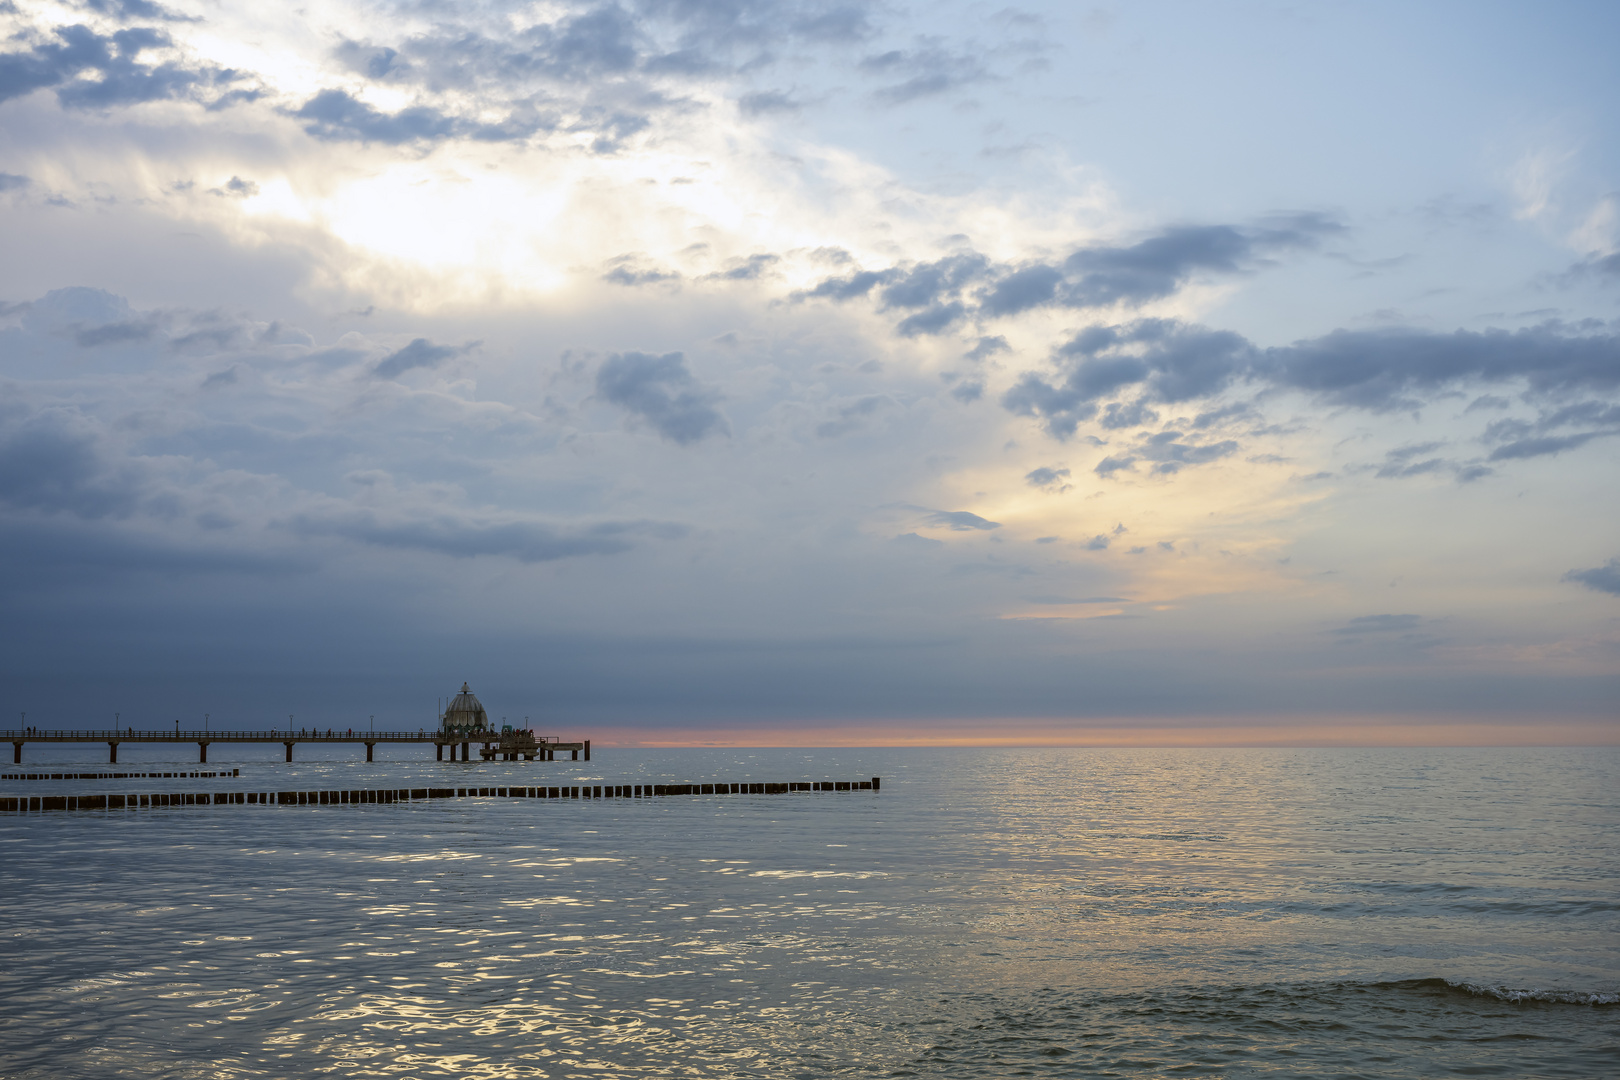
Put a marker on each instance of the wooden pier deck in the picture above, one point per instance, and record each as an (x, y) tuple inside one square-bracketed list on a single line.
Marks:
[(547, 747)]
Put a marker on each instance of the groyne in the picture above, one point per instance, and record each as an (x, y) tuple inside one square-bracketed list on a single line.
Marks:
[(118, 775), (143, 801)]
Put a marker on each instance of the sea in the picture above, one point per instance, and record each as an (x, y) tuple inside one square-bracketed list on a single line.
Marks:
[(1276, 913)]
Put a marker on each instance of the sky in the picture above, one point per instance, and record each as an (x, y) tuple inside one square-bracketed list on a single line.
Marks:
[(766, 373)]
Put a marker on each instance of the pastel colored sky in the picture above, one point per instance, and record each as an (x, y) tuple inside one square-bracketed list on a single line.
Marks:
[(754, 371)]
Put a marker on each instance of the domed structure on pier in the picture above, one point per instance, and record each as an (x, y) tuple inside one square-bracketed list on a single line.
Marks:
[(465, 713)]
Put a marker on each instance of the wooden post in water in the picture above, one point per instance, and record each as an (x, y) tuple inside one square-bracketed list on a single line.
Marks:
[(587, 749)]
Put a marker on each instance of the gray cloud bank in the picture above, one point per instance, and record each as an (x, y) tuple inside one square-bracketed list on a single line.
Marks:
[(1168, 362)]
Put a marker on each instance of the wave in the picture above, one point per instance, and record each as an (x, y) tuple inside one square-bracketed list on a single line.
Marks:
[(1546, 997)]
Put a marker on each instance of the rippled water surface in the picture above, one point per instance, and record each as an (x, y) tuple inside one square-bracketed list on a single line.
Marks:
[(1129, 913)]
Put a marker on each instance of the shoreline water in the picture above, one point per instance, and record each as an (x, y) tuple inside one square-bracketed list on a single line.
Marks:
[(1062, 912)]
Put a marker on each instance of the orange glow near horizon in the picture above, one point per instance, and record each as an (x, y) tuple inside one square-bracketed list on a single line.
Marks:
[(1349, 732)]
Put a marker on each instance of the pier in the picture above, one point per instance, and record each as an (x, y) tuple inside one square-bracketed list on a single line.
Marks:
[(493, 744)]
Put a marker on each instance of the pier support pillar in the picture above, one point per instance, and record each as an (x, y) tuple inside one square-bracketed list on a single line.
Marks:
[(112, 753), (202, 753), (440, 748), (16, 753), (575, 753), (369, 745), (289, 750), (587, 749)]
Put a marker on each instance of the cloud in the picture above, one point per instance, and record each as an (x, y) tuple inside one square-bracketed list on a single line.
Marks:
[(852, 416), (927, 284), (1378, 370), (525, 541), (1170, 361), (1379, 624), (134, 9), (96, 71), (660, 391), (926, 71), (336, 115), (1048, 479), (1547, 444), (935, 320), (13, 182), (847, 288), (629, 271), (1021, 290), (766, 102), (1605, 578), (960, 521), (418, 354), (1091, 277), (51, 461), (751, 268)]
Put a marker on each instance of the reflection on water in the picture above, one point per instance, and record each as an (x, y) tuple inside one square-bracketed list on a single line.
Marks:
[(1051, 912)]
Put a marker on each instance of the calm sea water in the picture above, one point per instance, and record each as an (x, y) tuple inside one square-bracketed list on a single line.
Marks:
[(1049, 913)]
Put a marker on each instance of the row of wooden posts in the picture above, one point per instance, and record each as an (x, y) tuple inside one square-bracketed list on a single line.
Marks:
[(42, 803), (117, 775)]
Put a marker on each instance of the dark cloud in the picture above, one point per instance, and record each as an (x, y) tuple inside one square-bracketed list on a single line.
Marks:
[(237, 188), (923, 72), (766, 102), (1048, 479), (418, 354), (935, 320), (848, 288), (1160, 265), (114, 333), (335, 115), (987, 347), (96, 71), (629, 271), (1020, 290), (660, 391), (1542, 446), (751, 268), (1097, 543), (1605, 578), (125, 10), (926, 284), (1384, 369), (13, 182), (960, 521), (1092, 277), (1168, 361), (50, 462), (1379, 624), (525, 541), (1534, 438), (1136, 414)]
